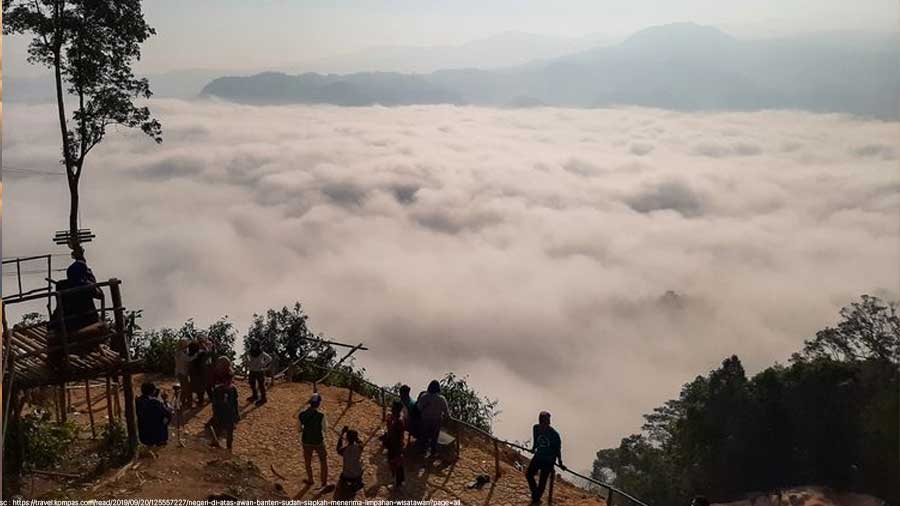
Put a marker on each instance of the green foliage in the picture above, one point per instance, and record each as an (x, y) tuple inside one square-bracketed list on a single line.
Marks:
[(830, 418), (466, 404), (29, 319), (114, 445), (157, 347), (285, 335), (46, 441), (92, 45), (869, 329)]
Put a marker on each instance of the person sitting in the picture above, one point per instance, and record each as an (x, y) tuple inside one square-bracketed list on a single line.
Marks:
[(547, 448), (153, 416), (78, 307), (434, 409), (351, 475), (258, 363)]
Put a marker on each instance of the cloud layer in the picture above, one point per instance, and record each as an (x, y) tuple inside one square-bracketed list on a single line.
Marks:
[(527, 248)]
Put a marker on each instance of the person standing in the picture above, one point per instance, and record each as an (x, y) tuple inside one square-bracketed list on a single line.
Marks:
[(224, 407), (393, 442), (258, 365), (183, 360), (410, 414), (547, 448), (433, 408), (312, 425)]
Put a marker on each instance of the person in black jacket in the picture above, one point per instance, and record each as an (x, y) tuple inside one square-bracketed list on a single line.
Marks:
[(153, 416), (547, 448)]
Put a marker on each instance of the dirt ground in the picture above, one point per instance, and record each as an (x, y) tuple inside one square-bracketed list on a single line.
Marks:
[(267, 462)]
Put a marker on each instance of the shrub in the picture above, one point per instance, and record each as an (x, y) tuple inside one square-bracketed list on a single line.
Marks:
[(46, 441)]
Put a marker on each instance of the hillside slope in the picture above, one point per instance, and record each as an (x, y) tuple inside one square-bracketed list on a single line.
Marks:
[(267, 460)]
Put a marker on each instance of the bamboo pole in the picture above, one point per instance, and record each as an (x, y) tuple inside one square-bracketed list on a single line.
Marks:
[(496, 459), (109, 406), (90, 408), (122, 345)]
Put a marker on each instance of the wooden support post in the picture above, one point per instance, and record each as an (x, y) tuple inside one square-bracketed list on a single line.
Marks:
[(383, 406), (496, 459), (116, 404), (109, 402), (610, 500), (350, 395), (90, 407), (68, 397), (122, 345), (550, 494)]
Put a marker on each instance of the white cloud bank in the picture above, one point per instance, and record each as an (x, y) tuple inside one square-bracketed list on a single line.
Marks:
[(527, 248)]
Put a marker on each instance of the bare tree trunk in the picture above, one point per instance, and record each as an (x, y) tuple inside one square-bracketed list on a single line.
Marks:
[(71, 173), (73, 211)]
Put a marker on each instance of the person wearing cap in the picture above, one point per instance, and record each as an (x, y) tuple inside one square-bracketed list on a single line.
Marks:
[(312, 425), (547, 448)]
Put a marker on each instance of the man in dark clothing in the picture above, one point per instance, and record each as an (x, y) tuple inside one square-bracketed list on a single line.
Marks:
[(434, 410), (153, 417), (79, 309), (547, 448), (312, 425), (225, 417)]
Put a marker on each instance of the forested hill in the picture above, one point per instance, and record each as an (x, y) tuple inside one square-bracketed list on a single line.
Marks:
[(681, 66), (829, 417)]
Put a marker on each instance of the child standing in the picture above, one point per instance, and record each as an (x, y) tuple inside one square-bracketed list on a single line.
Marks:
[(224, 405), (312, 425), (351, 476)]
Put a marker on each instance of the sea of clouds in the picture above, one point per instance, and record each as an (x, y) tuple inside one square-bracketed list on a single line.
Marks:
[(529, 249)]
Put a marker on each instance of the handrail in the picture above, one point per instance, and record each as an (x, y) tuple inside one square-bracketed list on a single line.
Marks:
[(20, 294), (84, 288), (384, 392)]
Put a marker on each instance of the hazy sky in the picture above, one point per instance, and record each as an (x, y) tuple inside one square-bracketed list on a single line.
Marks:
[(240, 34)]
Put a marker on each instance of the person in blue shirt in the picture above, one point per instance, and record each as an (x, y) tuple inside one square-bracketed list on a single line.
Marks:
[(547, 448)]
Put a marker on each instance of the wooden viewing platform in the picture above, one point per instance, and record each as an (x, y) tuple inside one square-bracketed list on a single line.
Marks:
[(68, 347)]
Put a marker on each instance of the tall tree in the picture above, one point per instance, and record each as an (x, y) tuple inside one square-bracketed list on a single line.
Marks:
[(90, 46)]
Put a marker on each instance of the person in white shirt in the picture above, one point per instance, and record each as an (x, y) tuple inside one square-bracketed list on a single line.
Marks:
[(182, 372), (258, 364)]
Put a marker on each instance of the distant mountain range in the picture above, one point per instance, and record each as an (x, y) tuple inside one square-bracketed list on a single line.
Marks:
[(680, 66), (502, 50)]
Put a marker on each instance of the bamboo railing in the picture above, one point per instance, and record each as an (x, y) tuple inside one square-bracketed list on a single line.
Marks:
[(613, 496)]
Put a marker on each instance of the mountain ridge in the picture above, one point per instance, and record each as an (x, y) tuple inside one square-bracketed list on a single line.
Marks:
[(680, 66)]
